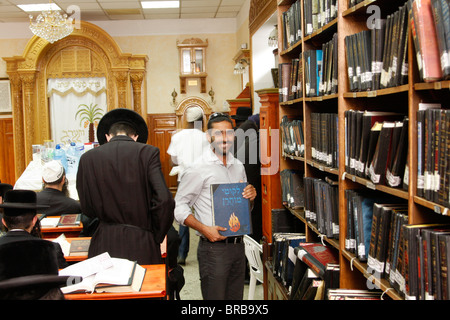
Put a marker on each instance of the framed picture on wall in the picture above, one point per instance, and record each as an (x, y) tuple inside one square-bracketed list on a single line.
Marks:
[(5, 96)]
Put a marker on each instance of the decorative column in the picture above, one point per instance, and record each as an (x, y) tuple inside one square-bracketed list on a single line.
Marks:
[(28, 83), (19, 142), (136, 81), (122, 79)]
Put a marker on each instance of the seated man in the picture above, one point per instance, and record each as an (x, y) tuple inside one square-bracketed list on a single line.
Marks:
[(55, 195), (28, 265), (3, 188), (19, 217)]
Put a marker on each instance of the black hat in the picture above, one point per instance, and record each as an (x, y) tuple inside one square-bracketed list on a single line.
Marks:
[(122, 115), (242, 113), (16, 202), (4, 187), (29, 269), (32, 287)]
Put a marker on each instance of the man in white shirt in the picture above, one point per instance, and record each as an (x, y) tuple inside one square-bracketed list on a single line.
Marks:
[(186, 146), (221, 259)]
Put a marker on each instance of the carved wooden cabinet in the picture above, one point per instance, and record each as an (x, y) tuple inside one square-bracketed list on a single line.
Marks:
[(192, 54)]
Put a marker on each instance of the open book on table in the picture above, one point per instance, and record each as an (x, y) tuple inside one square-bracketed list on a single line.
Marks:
[(105, 274)]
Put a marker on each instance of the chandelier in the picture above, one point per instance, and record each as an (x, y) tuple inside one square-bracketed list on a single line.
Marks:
[(51, 25)]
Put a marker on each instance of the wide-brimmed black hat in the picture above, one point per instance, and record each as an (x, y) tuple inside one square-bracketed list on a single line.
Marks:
[(242, 113), (31, 287), (15, 202), (122, 115), (4, 187), (29, 269)]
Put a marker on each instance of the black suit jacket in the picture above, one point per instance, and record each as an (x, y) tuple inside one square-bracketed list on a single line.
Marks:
[(121, 184), (19, 235)]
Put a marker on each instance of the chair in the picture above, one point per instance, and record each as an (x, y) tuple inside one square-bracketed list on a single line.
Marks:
[(253, 251)]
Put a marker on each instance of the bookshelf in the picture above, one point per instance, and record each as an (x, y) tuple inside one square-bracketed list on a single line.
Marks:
[(404, 98)]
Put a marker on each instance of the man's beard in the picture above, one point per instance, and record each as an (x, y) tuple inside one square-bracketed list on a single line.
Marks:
[(65, 188), (220, 148)]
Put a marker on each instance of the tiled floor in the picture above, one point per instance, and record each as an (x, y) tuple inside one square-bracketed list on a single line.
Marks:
[(191, 289)]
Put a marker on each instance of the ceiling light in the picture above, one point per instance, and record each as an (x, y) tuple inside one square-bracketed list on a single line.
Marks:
[(160, 4), (50, 24), (38, 7)]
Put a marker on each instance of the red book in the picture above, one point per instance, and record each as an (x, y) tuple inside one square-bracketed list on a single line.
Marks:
[(317, 256), (428, 43)]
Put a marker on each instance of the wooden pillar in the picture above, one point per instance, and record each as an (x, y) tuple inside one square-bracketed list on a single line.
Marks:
[(28, 85)]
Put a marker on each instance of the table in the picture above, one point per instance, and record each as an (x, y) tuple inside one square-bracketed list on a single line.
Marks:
[(153, 287), (54, 232)]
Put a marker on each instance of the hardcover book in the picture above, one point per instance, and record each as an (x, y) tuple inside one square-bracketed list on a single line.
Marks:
[(70, 220), (230, 209)]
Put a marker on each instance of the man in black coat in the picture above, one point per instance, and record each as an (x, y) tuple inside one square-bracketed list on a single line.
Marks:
[(121, 183), (19, 217), (55, 193)]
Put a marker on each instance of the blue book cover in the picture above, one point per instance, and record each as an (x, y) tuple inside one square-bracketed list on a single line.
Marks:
[(319, 68), (230, 209)]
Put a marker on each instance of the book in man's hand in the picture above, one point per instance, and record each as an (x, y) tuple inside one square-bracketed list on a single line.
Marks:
[(230, 209), (105, 274)]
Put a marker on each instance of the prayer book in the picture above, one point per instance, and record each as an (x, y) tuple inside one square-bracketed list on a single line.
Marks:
[(230, 209), (105, 274)]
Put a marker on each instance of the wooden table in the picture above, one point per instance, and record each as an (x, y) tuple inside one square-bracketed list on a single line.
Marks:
[(154, 286), (55, 232), (84, 257)]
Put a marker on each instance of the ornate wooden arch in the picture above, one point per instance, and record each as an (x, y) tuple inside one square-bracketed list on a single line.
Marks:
[(88, 52), (180, 111)]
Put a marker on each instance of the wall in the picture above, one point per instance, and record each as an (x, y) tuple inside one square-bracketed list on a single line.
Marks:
[(157, 39)]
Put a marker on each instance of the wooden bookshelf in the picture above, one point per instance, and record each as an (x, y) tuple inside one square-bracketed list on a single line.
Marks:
[(406, 98)]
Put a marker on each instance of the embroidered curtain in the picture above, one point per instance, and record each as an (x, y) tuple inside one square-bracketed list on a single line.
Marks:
[(76, 106)]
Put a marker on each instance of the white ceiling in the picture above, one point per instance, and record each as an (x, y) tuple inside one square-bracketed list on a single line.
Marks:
[(101, 10)]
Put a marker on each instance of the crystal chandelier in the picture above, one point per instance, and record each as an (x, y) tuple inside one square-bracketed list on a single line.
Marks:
[(51, 25), (273, 37)]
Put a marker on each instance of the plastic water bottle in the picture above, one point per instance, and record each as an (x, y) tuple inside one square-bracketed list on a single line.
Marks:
[(79, 150), (60, 155), (72, 159)]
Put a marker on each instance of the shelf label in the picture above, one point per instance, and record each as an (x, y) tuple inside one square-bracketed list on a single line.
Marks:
[(370, 185)]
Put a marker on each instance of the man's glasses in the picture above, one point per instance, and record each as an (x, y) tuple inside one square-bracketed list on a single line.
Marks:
[(219, 115)]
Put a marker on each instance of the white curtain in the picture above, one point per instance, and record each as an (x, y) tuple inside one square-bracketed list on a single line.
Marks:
[(75, 103)]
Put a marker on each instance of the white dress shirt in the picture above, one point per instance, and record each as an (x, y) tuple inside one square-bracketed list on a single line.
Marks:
[(194, 188)]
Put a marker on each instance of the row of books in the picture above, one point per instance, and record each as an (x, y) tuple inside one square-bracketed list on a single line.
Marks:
[(422, 262), (324, 139), (283, 261), (292, 137), (290, 77), (322, 205), (433, 153), (353, 3), (430, 23), (384, 249), (359, 216), (292, 188), (376, 145), (321, 69), (378, 58), (320, 73), (291, 25), (316, 272), (318, 13)]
